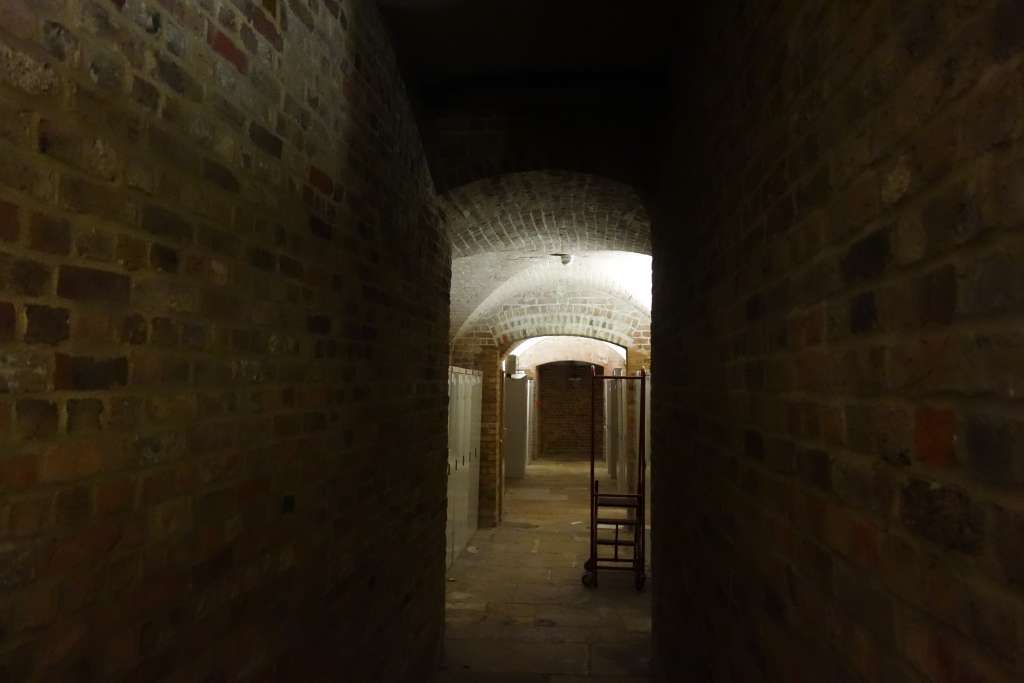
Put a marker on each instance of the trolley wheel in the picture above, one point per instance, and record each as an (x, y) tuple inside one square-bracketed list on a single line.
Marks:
[(639, 582), (589, 580)]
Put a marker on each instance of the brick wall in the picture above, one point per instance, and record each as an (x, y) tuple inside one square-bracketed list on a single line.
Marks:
[(540, 212), (223, 330), (564, 412), (838, 356), (578, 312), (492, 470)]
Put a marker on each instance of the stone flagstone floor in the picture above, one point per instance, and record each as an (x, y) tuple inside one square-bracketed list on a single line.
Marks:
[(517, 611)]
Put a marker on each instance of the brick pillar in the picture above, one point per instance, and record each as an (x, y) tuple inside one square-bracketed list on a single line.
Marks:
[(491, 464), (635, 360)]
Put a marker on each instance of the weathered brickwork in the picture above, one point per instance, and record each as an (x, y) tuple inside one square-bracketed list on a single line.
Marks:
[(582, 313), (506, 286), (564, 412), (541, 212), (838, 352), (223, 341), (492, 473), (582, 349)]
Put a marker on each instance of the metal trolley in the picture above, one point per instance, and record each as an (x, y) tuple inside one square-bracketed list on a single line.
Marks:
[(624, 514)]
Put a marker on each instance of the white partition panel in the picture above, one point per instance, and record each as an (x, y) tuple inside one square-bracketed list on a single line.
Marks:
[(476, 404), (449, 519), (464, 410), (531, 416), (515, 425)]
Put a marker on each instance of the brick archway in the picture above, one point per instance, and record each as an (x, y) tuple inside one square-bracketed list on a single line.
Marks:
[(508, 286), (594, 313)]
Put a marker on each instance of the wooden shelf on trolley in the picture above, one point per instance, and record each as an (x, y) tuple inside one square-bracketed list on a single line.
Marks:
[(618, 500), (622, 522), (618, 514)]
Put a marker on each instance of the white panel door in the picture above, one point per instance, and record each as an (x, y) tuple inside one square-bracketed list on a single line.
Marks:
[(450, 519), (474, 431)]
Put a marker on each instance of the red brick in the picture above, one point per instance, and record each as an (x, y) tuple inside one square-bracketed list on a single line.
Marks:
[(6, 419), (266, 140), (853, 536), (321, 181), (266, 27), (166, 225), (89, 284), (37, 418), (30, 278), (29, 71), (69, 462), (24, 372), (1009, 535), (170, 519), (176, 78), (19, 473), (131, 253), (164, 259), (227, 49), (95, 199), (92, 545), (85, 415), (94, 327), (321, 228), (46, 325), (941, 655), (115, 495), (944, 515), (146, 94), (134, 330), (95, 244), (167, 484), (220, 175), (9, 227), (173, 408), (301, 10), (35, 606), (85, 373), (17, 18), (995, 449), (935, 437), (28, 517), (73, 506), (8, 321), (936, 295)]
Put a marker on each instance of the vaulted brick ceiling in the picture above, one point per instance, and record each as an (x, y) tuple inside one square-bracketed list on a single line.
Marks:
[(540, 350), (505, 231), (537, 120)]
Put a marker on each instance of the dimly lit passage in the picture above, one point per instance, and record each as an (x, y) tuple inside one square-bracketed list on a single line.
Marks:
[(302, 304)]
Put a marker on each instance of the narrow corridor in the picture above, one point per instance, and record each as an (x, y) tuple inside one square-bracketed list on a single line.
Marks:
[(517, 611), (292, 291)]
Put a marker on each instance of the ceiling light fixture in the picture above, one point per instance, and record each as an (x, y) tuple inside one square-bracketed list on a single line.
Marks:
[(566, 258)]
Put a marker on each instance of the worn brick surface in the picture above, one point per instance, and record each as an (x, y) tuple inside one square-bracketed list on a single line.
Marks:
[(219, 392), (563, 411), (849, 172)]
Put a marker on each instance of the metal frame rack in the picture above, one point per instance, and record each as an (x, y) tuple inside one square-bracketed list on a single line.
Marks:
[(629, 525)]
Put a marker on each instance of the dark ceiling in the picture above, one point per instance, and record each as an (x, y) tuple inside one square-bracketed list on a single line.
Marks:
[(504, 86), (445, 44)]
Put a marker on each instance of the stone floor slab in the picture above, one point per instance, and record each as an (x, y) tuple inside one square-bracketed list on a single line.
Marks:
[(517, 611)]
